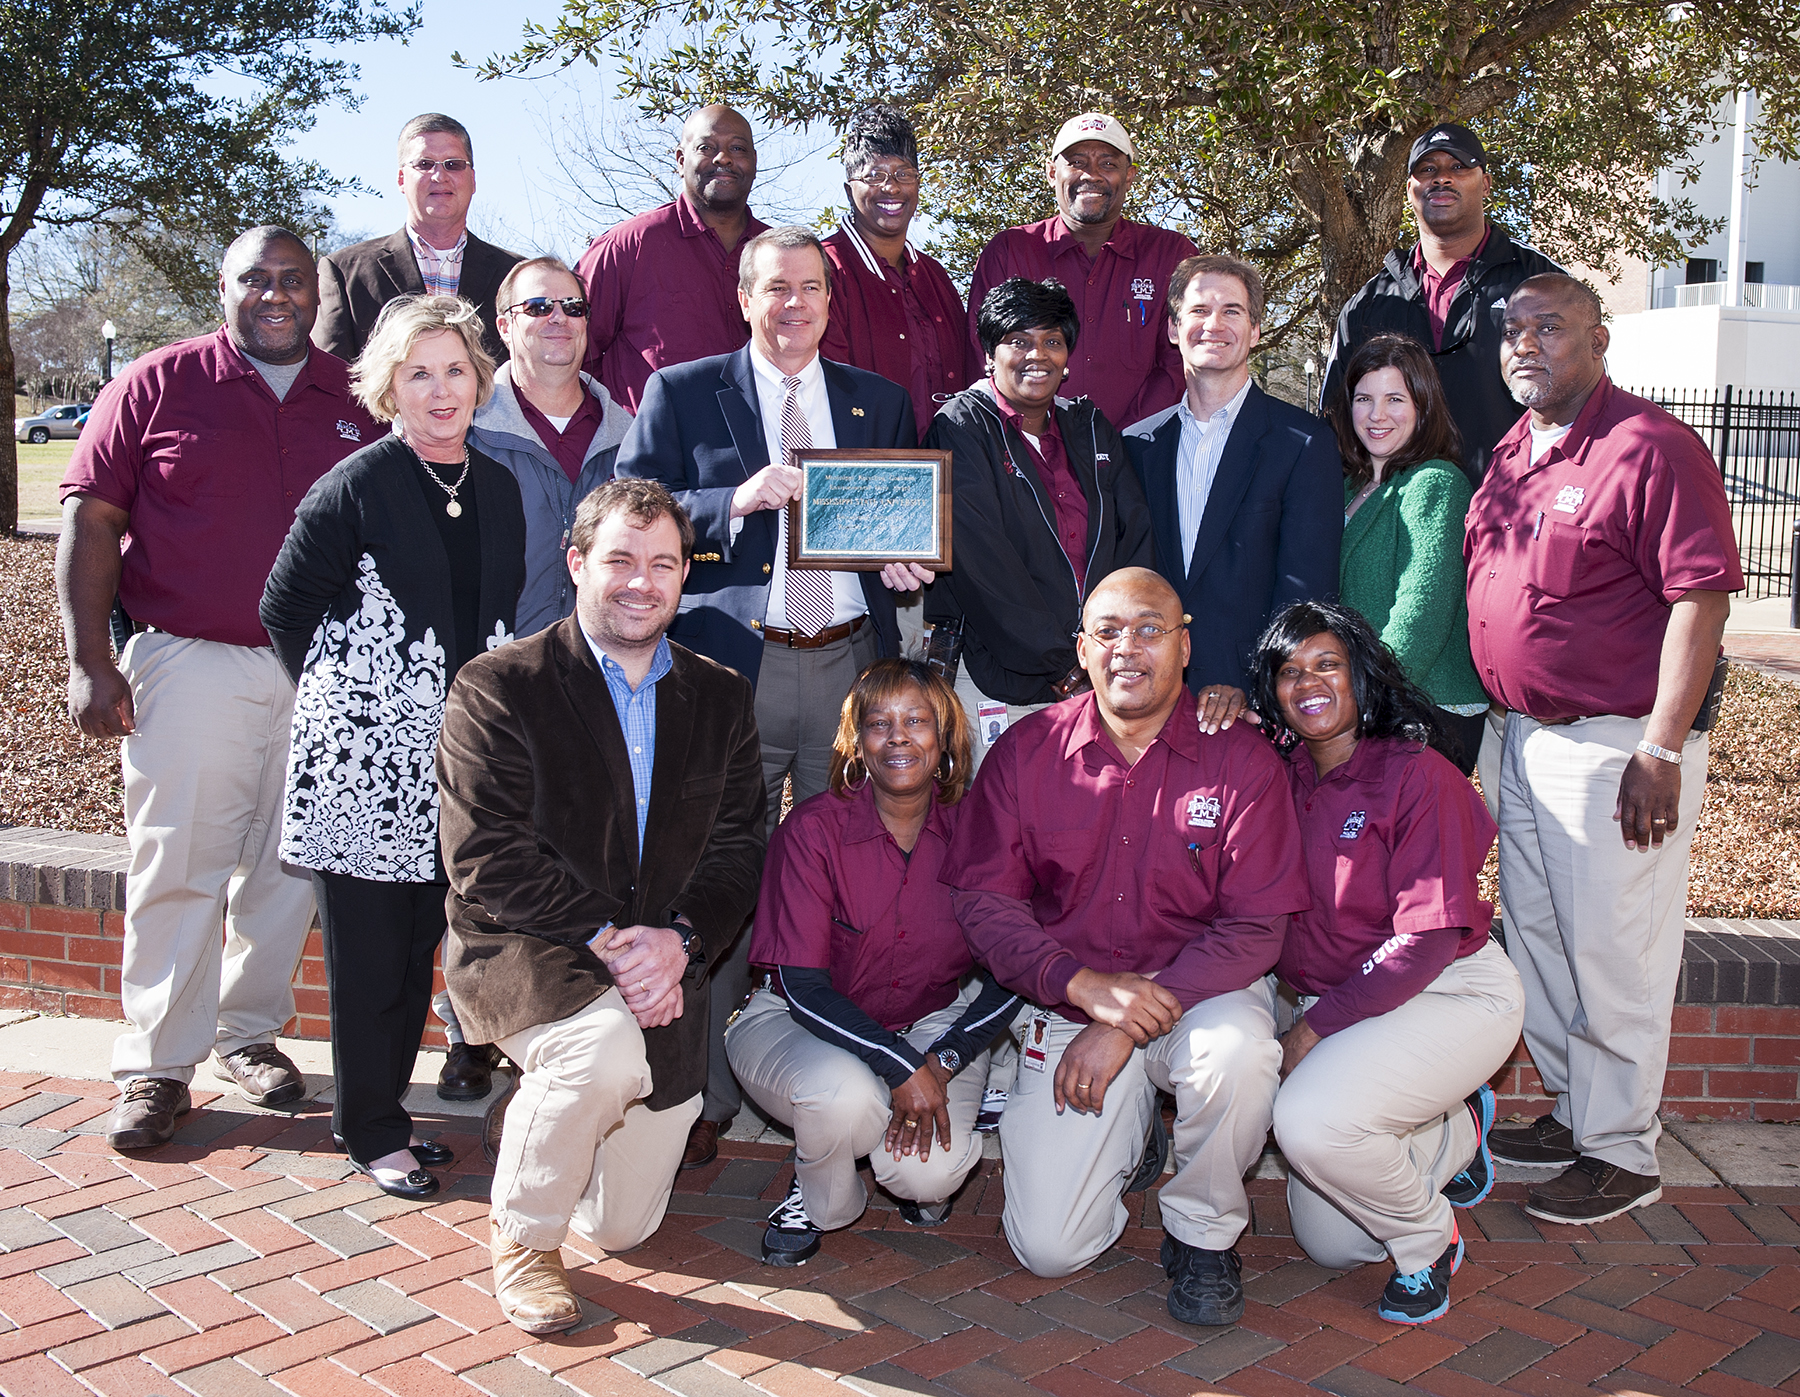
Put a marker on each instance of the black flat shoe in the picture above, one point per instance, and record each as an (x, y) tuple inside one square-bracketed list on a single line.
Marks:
[(417, 1184), (433, 1155)]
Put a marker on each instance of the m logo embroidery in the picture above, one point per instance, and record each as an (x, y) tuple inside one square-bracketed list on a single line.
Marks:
[(1354, 825), (349, 431), (1203, 812), (1568, 499), (1143, 288)]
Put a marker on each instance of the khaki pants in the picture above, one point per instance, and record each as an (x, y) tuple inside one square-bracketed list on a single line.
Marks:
[(1594, 928), (972, 699), (1373, 1124), (204, 775), (581, 1150), (1066, 1175), (839, 1110)]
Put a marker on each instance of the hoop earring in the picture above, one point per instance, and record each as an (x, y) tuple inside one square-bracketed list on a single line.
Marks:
[(855, 783)]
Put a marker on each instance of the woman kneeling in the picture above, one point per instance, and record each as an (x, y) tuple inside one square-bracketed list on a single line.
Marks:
[(1407, 1005), (863, 1037)]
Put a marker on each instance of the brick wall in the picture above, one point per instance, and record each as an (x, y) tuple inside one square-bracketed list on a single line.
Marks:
[(1735, 1053)]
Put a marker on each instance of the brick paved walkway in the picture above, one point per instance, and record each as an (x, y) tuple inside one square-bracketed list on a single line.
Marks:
[(240, 1262)]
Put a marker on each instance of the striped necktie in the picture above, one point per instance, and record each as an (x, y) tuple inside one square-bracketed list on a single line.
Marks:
[(808, 593)]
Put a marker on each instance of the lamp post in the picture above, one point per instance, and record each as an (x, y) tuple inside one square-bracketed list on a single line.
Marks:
[(1311, 369), (108, 332)]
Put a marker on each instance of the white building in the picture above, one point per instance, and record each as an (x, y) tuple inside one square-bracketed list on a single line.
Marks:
[(1731, 313)]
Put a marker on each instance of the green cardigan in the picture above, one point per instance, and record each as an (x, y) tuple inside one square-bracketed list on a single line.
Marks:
[(1402, 567)]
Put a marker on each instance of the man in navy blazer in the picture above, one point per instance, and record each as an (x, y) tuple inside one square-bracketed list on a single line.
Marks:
[(1246, 493), (713, 431)]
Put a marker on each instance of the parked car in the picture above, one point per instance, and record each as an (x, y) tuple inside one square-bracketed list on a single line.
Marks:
[(57, 422)]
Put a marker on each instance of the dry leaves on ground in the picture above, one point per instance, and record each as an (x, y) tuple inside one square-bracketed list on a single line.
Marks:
[(1746, 850)]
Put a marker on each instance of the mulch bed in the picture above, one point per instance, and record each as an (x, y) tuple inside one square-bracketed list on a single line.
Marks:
[(1746, 850)]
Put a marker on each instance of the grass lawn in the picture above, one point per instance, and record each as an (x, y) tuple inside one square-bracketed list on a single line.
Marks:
[(40, 472)]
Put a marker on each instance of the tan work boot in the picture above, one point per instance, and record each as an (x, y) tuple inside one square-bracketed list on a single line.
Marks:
[(532, 1286)]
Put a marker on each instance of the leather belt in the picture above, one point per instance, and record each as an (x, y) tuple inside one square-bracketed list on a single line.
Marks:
[(800, 640)]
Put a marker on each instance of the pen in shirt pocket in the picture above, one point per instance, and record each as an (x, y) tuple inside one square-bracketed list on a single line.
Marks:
[(839, 921), (1538, 527)]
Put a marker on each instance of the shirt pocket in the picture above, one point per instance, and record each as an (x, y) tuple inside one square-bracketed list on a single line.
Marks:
[(1555, 565), (191, 466)]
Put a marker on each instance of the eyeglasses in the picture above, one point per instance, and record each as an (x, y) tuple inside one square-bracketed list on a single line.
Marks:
[(537, 307), (1146, 634), (449, 167), (896, 179)]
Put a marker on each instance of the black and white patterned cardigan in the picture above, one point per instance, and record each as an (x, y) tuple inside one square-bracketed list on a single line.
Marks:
[(359, 609)]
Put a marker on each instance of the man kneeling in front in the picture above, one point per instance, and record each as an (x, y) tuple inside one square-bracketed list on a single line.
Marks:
[(590, 884), (1132, 877)]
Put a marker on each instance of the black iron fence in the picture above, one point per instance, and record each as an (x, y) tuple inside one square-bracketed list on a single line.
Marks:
[(1755, 438)]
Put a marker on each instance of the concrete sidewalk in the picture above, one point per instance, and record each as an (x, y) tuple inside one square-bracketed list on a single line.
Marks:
[(244, 1260)]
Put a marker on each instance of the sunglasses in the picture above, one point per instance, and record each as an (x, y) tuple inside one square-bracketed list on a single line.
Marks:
[(575, 307)]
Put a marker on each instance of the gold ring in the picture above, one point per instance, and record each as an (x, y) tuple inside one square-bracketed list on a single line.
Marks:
[(913, 1124), (1084, 1084)]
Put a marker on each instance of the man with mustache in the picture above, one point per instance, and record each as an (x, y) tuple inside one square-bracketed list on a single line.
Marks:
[(1132, 880), (1601, 561), (662, 287), (1116, 269)]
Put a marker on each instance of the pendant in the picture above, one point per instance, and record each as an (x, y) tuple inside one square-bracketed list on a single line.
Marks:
[(453, 509)]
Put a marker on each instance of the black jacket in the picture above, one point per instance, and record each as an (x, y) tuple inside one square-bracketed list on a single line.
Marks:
[(1393, 302), (1010, 580), (355, 282), (359, 609)]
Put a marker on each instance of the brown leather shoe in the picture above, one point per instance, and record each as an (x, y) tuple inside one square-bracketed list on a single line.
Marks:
[(266, 1075), (145, 1115), (702, 1146), (494, 1121), (468, 1073), (1545, 1143), (1591, 1190), (532, 1287)]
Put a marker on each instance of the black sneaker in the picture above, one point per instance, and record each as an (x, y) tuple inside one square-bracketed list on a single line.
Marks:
[(792, 1238), (1476, 1181), (1422, 1296), (1546, 1143), (1156, 1155), (1209, 1287), (924, 1214), (1591, 1190)]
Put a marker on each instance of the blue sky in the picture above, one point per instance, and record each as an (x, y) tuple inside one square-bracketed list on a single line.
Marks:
[(523, 198)]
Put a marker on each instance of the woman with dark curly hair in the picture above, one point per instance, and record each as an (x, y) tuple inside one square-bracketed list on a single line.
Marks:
[(870, 1035), (1406, 1005), (1401, 563)]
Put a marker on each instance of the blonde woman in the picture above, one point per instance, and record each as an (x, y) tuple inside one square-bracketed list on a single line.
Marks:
[(403, 563)]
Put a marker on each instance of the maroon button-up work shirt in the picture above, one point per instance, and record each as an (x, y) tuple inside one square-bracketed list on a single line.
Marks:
[(1066, 494), (906, 326), (192, 444), (569, 446), (661, 289), (1183, 866), (838, 895), (1574, 562), (1123, 359), (1440, 291), (1394, 839)]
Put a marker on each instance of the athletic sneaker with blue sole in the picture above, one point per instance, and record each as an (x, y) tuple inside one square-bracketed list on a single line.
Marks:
[(1422, 1296), (1476, 1181)]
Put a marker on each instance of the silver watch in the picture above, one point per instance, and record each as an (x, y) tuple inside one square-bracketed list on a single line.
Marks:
[(950, 1060)]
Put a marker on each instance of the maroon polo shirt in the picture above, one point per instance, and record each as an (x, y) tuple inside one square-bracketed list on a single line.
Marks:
[(661, 289), (1440, 291), (1573, 563), (1183, 866), (192, 444), (1123, 359), (570, 445), (838, 895), (1066, 494), (907, 326), (1394, 840)]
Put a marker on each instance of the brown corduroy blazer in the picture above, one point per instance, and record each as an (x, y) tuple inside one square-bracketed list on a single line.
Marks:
[(539, 836)]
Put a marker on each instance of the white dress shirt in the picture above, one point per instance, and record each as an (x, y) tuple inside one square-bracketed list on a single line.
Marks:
[(1197, 456), (847, 600)]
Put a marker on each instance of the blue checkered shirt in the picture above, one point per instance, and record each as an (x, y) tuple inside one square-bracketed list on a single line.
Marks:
[(637, 716)]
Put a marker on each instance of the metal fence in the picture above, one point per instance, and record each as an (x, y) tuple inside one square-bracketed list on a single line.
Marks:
[(1755, 438)]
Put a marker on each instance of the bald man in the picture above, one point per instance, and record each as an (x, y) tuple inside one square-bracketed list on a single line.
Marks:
[(662, 287), (1132, 878), (201, 451)]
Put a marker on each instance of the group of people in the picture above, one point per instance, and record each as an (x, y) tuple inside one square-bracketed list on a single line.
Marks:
[(459, 609)]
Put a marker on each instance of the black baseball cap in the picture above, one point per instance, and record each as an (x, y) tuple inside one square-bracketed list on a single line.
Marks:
[(1459, 141)]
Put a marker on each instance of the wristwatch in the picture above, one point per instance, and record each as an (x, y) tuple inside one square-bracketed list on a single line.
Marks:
[(693, 945), (950, 1060), (1074, 682)]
